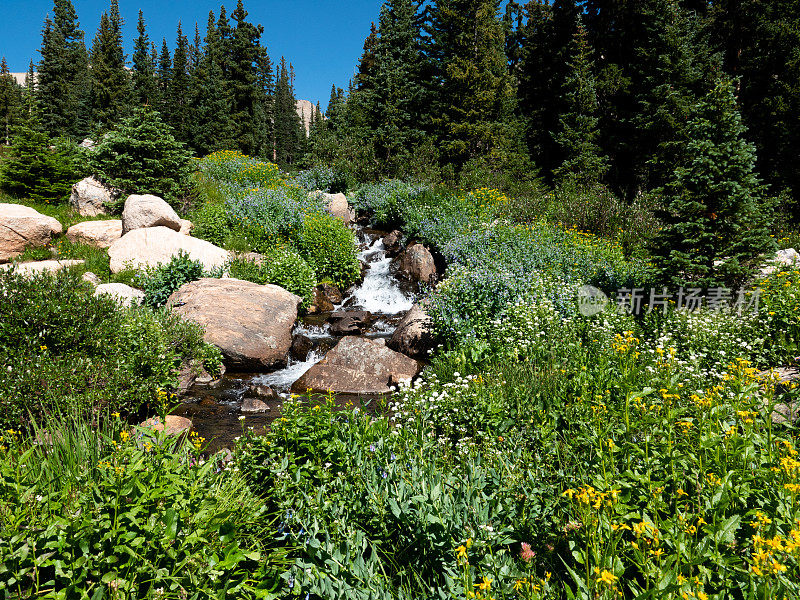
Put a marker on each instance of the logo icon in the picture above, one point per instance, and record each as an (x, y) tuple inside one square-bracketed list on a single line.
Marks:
[(591, 300)]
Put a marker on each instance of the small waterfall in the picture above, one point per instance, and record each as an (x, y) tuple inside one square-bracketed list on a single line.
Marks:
[(215, 410), (379, 292), (282, 380)]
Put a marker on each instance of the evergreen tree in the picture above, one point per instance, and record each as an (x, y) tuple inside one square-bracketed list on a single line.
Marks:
[(335, 108), (396, 103), (145, 90), (265, 109), (164, 80), (109, 80), (366, 64), (195, 51), (249, 115), (288, 126), (676, 70), (63, 74), (140, 155), (653, 63), (715, 219), (760, 43), (475, 95), (30, 99), (545, 42), (10, 102), (582, 160), (31, 169), (212, 129), (177, 93)]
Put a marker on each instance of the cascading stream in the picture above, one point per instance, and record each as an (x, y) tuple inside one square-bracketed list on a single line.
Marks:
[(216, 411), (379, 293)]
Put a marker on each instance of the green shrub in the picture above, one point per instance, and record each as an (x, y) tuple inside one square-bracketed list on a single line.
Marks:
[(779, 314), (105, 511), (211, 222), (160, 282), (32, 170), (385, 202), (330, 248), (62, 350), (325, 179), (281, 266), (384, 514), (231, 166), (141, 156)]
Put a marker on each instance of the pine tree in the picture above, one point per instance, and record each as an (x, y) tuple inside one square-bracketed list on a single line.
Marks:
[(265, 108), (212, 129), (715, 221), (63, 74), (288, 127), (10, 102), (164, 80), (145, 90), (31, 169), (366, 64), (653, 64), (474, 89), (177, 93), (248, 82), (109, 79), (335, 108), (30, 97), (676, 70), (577, 138), (195, 51), (760, 44), (545, 42), (141, 155), (396, 103)]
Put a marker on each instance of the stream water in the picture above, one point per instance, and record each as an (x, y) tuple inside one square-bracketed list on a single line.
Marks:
[(215, 409)]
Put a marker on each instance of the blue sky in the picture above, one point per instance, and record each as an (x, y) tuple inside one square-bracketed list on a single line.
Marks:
[(322, 38)]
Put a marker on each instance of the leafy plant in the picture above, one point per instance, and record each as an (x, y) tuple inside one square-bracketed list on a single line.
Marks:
[(330, 249), (280, 266), (323, 178), (127, 513), (160, 282), (141, 156), (63, 350)]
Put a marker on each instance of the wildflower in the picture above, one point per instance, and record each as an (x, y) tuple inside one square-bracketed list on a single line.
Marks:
[(461, 553), (605, 576), (526, 553), (484, 585)]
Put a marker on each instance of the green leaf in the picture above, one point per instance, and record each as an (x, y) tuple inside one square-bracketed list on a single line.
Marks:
[(726, 533), (227, 532), (171, 524)]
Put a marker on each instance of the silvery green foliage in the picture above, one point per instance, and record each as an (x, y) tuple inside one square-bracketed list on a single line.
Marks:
[(388, 201), (322, 178), (268, 213)]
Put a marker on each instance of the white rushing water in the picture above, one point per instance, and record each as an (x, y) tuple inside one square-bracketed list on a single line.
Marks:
[(282, 380), (379, 292)]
